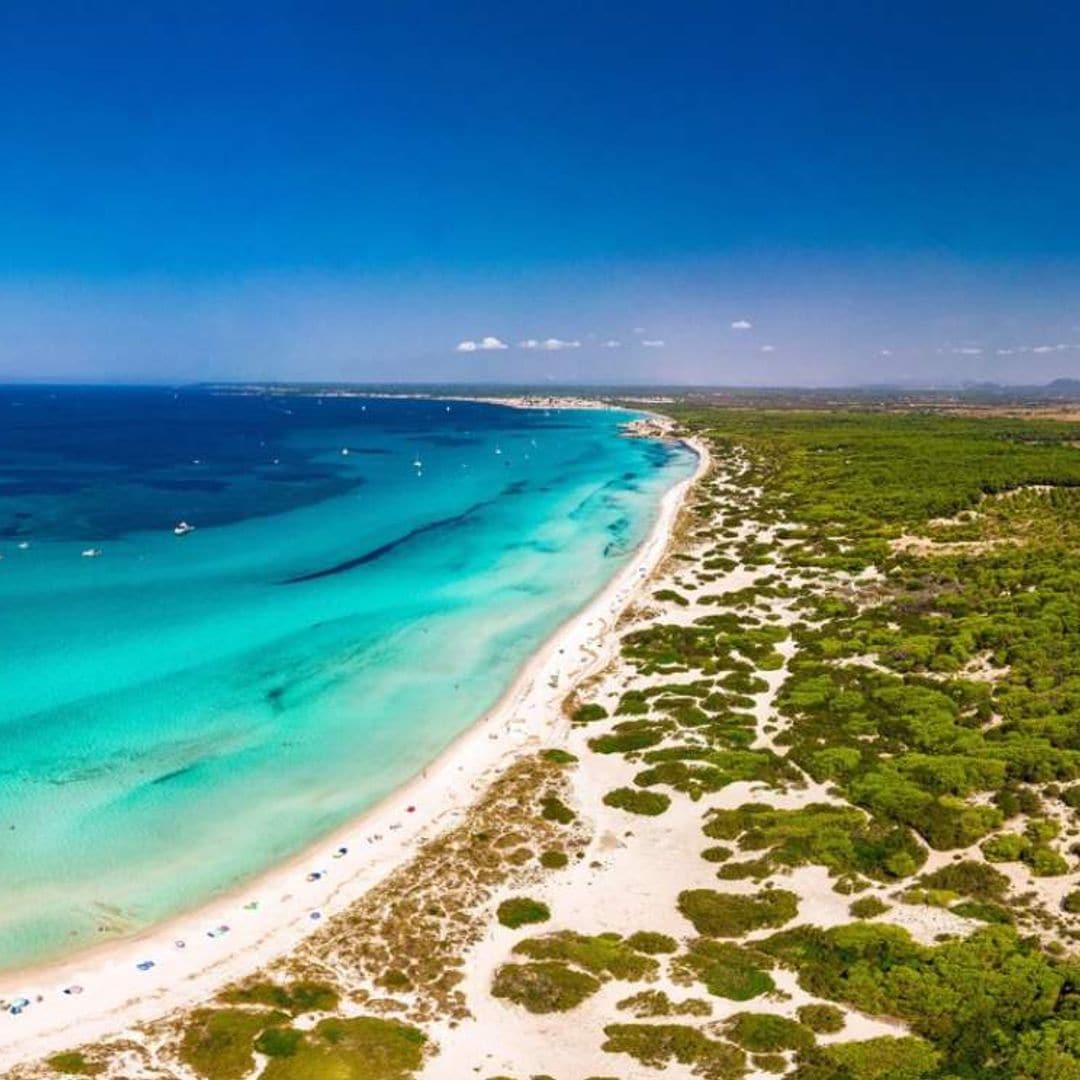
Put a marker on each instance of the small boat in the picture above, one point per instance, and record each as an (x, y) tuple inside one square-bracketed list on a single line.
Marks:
[(498, 449), (418, 464), (344, 451), (145, 965), (183, 529), (91, 553), (18, 1005), (71, 991), (23, 545), (218, 931)]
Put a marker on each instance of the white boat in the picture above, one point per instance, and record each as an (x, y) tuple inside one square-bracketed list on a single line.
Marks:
[(418, 464), (344, 449), (91, 553), (183, 529), (23, 545)]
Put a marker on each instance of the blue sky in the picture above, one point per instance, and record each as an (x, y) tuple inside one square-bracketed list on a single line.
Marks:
[(355, 190)]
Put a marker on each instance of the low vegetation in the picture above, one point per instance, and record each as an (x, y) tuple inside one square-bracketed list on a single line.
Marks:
[(659, 1045), (520, 911), (732, 915), (544, 986), (649, 803)]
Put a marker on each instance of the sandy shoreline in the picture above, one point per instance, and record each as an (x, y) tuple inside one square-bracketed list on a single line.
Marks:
[(267, 917)]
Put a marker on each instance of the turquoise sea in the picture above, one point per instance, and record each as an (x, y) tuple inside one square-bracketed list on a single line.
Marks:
[(364, 577)]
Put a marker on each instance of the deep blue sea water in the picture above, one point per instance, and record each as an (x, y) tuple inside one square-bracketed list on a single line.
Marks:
[(180, 712)]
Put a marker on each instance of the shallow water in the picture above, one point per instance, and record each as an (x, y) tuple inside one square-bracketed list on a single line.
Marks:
[(179, 713)]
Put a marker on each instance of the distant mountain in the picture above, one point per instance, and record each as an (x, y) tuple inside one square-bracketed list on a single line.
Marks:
[(1067, 387)]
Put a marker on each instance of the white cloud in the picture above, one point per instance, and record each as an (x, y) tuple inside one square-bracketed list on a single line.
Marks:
[(1005, 352), (967, 350), (768, 348), (551, 344), (612, 344), (483, 345), (652, 343), (742, 324), (639, 329), (886, 352)]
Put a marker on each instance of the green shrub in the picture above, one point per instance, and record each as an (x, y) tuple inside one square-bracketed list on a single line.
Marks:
[(627, 741), (651, 943), (634, 801), (868, 907), (555, 756), (395, 980), (651, 1004), (969, 996), (770, 1063), (543, 987), (732, 915), (984, 912), (552, 808), (657, 1045), (726, 970), (823, 1019), (767, 1033), (884, 1058), (756, 869), (1046, 862), (632, 703), (588, 714), (74, 1063), (363, 1046), (217, 1043), (671, 596), (553, 859), (969, 878), (717, 853), (301, 996), (279, 1042), (840, 838), (1005, 847), (1071, 797), (520, 911), (1071, 902), (600, 954)]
